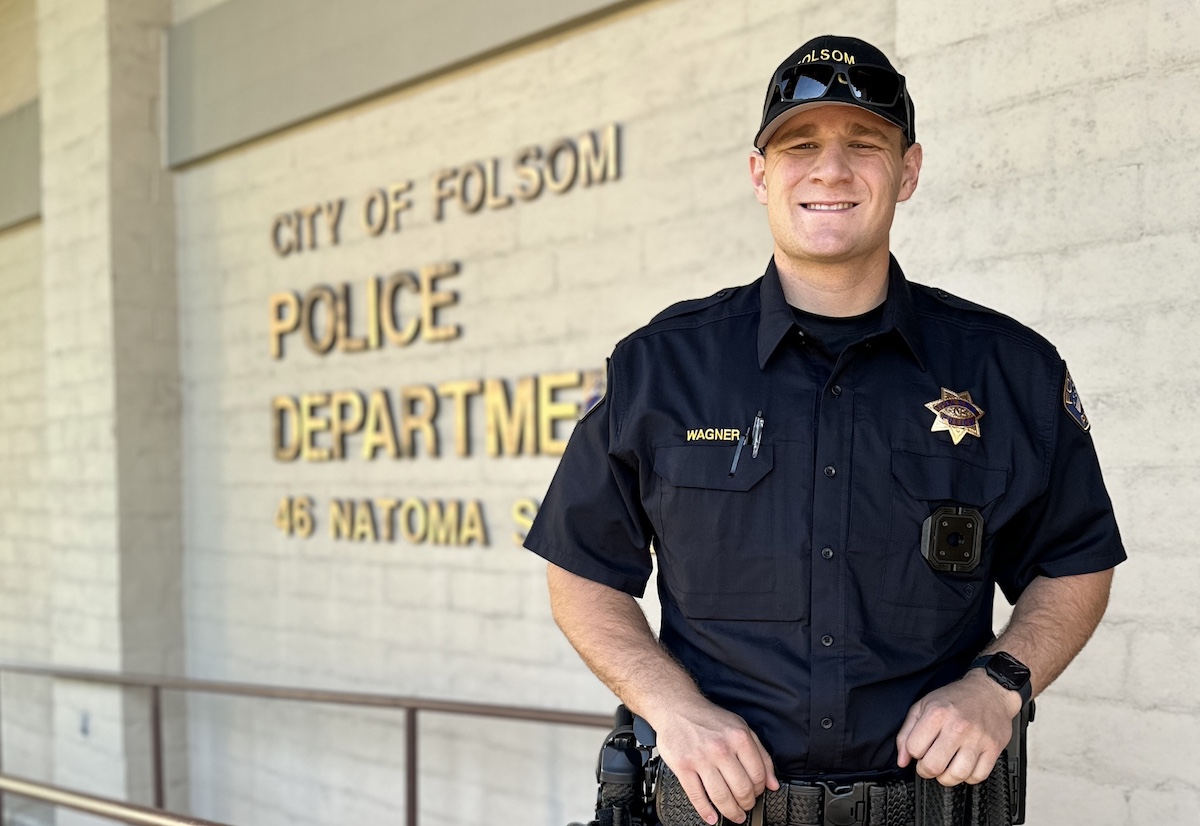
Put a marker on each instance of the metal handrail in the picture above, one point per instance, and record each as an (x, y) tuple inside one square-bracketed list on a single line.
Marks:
[(95, 805), (410, 705)]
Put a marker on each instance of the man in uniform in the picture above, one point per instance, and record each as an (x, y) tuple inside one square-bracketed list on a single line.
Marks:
[(835, 466)]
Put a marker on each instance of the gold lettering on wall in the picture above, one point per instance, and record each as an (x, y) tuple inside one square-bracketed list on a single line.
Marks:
[(461, 392), (523, 512), (591, 158), (476, 186), (298, 230), (413, 306), (511, 419), (457, 523), (551, 411), (450, 523), (522, 417), (356, 318)]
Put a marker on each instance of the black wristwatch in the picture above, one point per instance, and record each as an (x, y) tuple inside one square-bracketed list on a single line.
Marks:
[(1008, 671)]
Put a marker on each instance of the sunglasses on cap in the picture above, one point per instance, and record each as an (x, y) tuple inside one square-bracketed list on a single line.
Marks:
[(872, 85)]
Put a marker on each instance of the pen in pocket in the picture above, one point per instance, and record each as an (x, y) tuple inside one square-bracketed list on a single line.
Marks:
[(754, 433)]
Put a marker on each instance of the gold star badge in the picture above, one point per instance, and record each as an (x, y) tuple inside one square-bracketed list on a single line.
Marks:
[(957, 413)]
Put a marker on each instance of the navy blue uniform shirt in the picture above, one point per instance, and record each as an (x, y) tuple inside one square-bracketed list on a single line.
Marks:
[(794, 590)]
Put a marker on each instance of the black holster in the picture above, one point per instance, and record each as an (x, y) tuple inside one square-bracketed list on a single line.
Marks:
[(998, 801)]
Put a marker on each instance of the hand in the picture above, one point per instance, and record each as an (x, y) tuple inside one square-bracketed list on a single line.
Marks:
[(719, 761), (957, 732)]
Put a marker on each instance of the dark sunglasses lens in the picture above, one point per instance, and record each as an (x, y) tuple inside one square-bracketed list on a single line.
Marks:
[(871, 85), (805, 82)]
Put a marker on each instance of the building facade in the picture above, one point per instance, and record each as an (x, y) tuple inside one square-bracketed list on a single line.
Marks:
[(299, 302)]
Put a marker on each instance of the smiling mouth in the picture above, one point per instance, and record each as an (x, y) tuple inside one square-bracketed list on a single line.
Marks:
[(842, 207)]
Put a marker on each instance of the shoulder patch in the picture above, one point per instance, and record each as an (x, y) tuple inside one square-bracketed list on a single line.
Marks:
[(693, 305), (1073, 405)]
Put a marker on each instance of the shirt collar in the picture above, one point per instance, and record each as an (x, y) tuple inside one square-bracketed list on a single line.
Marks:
[(776, 318)]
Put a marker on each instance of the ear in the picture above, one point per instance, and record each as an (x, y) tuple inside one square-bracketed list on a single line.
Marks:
[(911, 172), (758, 175)]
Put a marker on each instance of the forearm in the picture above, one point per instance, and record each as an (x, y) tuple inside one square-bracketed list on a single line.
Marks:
[(1052, 621), (611, 634), (956, 732), (719, 761)]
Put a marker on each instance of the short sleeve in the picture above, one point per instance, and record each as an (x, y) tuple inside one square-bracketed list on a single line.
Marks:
[(591, 522), (1070, 528)]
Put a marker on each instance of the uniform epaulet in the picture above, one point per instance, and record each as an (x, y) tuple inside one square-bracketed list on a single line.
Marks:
[(694, 305), (994, 319), (958, 301)]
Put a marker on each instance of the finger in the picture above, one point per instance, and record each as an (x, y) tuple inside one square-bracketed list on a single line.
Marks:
[(753, 759), (922, 736), (693, 786), (720, 794), (983, 768), (771, 781), (959, 768), (738, 781), (910, 721), (935, 760)]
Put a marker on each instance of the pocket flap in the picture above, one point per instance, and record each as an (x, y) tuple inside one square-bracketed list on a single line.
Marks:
[(944, 478), (707, 466)]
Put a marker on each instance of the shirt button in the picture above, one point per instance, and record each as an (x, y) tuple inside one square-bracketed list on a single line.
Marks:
[(830, 470), (827, 553), (826, 723), (826, 640), (836, 390)]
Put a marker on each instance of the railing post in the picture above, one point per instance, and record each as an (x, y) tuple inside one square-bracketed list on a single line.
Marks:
[(156, 745), (410, 766)]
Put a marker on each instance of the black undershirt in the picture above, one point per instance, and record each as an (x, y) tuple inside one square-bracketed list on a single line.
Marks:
[(835, 334)]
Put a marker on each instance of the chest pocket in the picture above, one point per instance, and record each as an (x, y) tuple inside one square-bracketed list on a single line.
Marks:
[(935, 603), (718, 534)]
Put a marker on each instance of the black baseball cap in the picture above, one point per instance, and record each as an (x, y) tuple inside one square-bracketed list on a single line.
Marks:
[(836, 70)]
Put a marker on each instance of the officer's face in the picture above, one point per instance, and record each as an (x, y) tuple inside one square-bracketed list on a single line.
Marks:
[(831, 178)]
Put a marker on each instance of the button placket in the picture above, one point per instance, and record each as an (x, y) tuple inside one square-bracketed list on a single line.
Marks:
[(832, 440)]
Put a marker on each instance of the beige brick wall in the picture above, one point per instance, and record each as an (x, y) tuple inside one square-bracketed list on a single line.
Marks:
[(110, 383), (24, 511)]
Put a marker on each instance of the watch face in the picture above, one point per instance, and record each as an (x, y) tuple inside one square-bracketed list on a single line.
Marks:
[(1008, 671)]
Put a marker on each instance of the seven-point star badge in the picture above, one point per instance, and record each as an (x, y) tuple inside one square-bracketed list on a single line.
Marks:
[(957, 413)]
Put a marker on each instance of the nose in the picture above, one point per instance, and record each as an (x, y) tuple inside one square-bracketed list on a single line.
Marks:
[(831, 165)]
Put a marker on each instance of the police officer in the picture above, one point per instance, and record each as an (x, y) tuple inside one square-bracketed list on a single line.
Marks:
[(834, 467)]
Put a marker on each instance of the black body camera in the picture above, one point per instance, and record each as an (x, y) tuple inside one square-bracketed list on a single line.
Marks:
[(952, 540)]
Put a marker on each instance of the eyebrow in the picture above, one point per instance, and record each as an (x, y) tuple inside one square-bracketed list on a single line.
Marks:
[(856, 130)]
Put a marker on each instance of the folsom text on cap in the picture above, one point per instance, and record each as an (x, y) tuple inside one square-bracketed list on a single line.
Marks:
[(836, 55)]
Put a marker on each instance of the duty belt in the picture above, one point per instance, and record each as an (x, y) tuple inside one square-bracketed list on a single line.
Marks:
[(864, 803)]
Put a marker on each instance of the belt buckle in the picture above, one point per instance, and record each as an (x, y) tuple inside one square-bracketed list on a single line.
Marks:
[(845, 805)]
